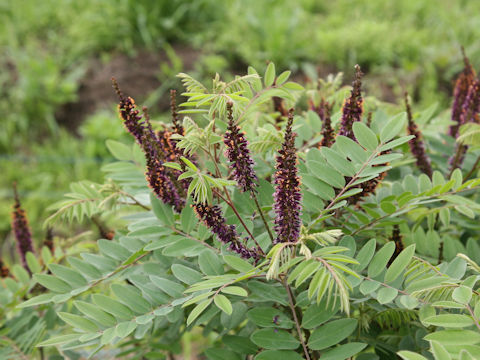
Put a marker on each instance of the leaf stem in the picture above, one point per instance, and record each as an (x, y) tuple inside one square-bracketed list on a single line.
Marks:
[(457, 159), (135, 201), (193, 238), (295, 318), (254, 196), (472, 170), (475, 320), (346, 187), (229, 202)]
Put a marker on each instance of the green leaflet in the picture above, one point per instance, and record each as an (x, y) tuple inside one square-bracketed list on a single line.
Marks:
[(269, 317), (96, 314), (316, 315), (222, 302), (52, 283), (113, 307), (331, 333), (380, 260), (131, 297), (78, 322), (210, 263), (68, 275), (365, 136), (455, 337), (186, 274), (278, 354), (274, 340), (409, 355), (344, 351), (240, 344), (399, 264), (449, 320), (197, 310), (393, 127)]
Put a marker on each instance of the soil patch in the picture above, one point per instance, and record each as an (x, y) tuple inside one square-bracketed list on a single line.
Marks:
[(137, 75)]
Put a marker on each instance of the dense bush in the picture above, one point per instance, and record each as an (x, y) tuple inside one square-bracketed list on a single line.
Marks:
[(48, 53), (322, 232)]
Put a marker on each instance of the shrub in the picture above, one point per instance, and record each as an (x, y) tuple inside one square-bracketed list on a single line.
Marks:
[(246, 230)]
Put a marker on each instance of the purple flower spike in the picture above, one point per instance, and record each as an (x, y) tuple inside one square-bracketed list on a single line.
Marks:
[(129, 114), (162, 181), (212, 217), (352, 109), (471, 105), (21, 230), (287, 191), (470, 113), (417, 145), (325, 110), (158, 179), (173, 108), (238, 155), (460, 93)]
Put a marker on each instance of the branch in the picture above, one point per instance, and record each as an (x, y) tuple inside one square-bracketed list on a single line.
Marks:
[(297, 323), (135, 201), (475, 320), (193, 238), (232, 206), (262, 215), (473, 169), (346, 187)]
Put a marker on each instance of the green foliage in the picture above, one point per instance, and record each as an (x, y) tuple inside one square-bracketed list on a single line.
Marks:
[(361, 271)]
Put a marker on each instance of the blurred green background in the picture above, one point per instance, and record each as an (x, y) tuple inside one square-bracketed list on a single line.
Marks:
[(57, 107)]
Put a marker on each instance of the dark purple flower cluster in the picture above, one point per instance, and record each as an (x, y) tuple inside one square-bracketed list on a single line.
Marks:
[(238, 155), (470, 113), (177, 127), (21, 230), (417, 145), (471, 105), (157, 175), (129, 114), (212, 217), (325, 111), (352, 109), (157, 150), (287, 194), (462, 87)]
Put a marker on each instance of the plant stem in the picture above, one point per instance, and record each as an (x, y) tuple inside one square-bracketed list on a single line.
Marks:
[(475, 320), (135, 201), (295, 318), (229, 202), (474, 167), (391, 287), (117, 270), (459, 152), (350, 183), (193, 238), (262, 215)]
